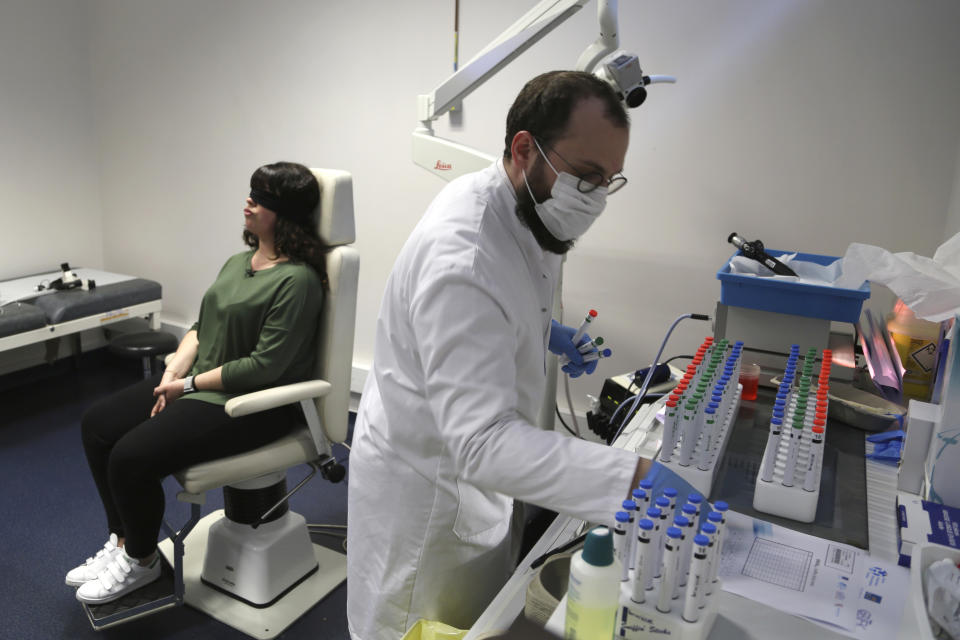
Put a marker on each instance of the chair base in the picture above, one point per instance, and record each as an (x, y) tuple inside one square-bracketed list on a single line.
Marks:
[(258, 566), (262, 623)]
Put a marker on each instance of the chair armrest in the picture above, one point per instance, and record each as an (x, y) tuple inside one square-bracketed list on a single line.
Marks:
[(276, 397)]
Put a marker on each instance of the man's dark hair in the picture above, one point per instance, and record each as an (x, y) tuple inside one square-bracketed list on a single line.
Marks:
[(544, 105)]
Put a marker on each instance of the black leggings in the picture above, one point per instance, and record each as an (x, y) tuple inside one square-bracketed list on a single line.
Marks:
[(130, 453)]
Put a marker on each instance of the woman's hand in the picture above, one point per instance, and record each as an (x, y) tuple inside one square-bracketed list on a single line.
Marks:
[(166, 392)]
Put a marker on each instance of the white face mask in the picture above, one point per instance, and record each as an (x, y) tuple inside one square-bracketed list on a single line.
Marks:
[(568, 212)]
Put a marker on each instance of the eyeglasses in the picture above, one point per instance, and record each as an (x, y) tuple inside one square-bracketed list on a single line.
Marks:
[(590, 181)]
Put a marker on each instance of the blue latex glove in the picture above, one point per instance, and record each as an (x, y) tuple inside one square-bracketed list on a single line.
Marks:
[(888, 446), (561, 343), (662, 477)]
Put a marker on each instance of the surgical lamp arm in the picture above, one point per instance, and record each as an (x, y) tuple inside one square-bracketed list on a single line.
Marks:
[(517, 38)]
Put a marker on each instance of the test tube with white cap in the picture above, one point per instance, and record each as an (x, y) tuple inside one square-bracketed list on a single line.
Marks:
[(773, 445), (720, 507), (671, 551), (698, 577), (688, 439), (792, 450)]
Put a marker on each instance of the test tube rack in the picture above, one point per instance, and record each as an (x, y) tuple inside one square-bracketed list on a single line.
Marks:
[(794, 502), (702, 479), (637, 621)]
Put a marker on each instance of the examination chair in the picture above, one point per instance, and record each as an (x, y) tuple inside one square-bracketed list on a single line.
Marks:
[(260, 571)]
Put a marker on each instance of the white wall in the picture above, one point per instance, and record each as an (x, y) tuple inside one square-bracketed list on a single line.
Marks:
[(48, 169), (809, 124)]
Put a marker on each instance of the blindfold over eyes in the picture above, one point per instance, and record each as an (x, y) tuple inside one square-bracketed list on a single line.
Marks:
[(275, 204)]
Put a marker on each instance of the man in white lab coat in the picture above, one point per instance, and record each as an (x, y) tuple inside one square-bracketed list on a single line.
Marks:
[(444, 440)]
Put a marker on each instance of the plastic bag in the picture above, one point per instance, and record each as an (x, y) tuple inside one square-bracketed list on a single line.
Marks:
[(433, 630)]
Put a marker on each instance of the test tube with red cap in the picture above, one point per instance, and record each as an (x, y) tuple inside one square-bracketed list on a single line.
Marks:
[(813, 460), (583, 326)]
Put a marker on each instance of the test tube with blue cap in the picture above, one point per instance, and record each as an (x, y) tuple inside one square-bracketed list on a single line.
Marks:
[(621, 542), (671, 552), (690, 515), (710, 530), (717, 519), (642, 500), (696, 584), (643, 561), (653, 514), (631, 508), (663, 504), (685, 525)]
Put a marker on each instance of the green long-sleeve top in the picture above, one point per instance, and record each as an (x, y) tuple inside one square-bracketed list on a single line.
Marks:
[(260, 328)]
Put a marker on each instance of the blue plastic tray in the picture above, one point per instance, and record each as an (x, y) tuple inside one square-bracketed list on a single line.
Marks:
[(795, 298)]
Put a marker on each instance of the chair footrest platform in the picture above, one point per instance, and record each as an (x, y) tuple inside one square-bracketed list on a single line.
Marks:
[(149, 599)]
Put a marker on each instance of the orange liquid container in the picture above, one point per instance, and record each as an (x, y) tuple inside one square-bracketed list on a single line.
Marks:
[(750, 379)]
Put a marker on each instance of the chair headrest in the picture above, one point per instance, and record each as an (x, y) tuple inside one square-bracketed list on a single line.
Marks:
[(336, 207)]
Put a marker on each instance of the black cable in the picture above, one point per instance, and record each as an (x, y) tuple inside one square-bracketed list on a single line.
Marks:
[(557, 409)]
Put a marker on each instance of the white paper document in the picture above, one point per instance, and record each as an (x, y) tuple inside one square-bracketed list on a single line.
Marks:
[(833, 584)]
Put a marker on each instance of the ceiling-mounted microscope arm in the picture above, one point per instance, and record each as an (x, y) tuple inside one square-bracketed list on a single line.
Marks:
[(448, 159)]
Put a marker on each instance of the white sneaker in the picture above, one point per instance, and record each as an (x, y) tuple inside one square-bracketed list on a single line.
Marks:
[(93, 566), (122, 575)]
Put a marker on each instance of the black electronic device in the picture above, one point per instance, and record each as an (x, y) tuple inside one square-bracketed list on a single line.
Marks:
[(756, 251), (614, 392)]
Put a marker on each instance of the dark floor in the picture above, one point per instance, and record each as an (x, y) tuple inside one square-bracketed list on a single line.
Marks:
[(51, 518)]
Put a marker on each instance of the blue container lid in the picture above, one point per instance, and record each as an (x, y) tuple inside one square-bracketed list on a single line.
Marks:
[(711, 409), (670, 492), (629, 505), (598, 547), (776, 420), (708, 528), (646, 524), (646, 484), (674, 532), (695, 498), (663, 502), (653, 512), (639, 494), (689, 509), (680, 520), (701, 540), (720, 506), (715, 517)]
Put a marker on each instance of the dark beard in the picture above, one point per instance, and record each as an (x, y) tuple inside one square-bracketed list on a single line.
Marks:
[(527, 213)]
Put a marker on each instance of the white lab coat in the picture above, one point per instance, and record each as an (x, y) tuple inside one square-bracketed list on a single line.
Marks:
[(444, 438)]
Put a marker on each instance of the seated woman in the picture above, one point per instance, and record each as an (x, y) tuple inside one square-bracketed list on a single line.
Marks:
[(256, 329)]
